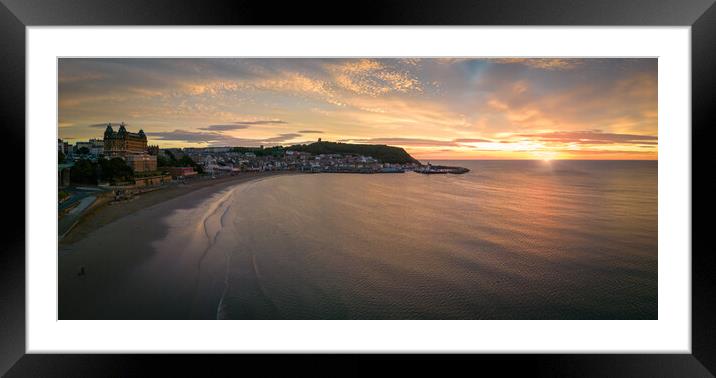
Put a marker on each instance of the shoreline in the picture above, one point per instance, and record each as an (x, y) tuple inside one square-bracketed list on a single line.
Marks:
[(153, 262), (280, 248), (102, 214)]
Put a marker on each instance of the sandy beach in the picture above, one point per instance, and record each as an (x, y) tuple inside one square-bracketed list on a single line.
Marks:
[(105, 214), (149, 258)]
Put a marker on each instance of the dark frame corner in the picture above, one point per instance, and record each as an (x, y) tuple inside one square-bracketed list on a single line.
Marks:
[(16, 15)]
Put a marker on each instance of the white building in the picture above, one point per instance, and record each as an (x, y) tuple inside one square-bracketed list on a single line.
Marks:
[(95, 146), (62, 146)]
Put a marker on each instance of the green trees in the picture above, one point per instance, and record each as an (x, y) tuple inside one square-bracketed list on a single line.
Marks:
[(113, 170), (84, 172), (60, 157), (162, 161), (171, 161), (386, 154), (276, 151), (186, 161), (167, 159)]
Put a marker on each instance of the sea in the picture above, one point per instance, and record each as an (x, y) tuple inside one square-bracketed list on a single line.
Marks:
[(508, 240)]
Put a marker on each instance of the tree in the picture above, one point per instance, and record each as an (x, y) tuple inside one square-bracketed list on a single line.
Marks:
[(186, 161), (83, 151), (171, 159), (162, 161), (115, 169), (84, 172), (385, 154), (60, 157), (259, 151)]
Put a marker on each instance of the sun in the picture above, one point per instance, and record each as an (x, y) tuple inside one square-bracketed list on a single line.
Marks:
[(545, 156)]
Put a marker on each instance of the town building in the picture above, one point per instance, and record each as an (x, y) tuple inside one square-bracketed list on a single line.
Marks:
[(122, 142), (141, 162), (177, 153), (153, 150), (94, 146), (132, 147), (63, 146), (181, 172), (155, 180), (63, 174)]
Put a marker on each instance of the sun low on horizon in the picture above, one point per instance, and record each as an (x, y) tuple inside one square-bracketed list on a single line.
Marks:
[(436, 108)]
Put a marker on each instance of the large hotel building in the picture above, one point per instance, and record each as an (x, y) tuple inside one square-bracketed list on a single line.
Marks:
[(132, 147)]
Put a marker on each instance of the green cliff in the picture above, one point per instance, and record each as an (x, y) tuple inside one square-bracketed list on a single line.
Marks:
[(386, 154)]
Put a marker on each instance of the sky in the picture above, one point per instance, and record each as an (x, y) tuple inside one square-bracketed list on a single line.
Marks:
[(435, 108)]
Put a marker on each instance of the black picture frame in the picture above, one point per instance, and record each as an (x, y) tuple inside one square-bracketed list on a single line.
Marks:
[(16, 15)]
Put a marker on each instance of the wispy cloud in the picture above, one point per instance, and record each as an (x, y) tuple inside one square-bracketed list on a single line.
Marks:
[(542, 63), (282, 138), (419, 142), (416, 142), (219, 139), (463, 105), (103, 125), (241, 125), (591, 137), (188, 136), (269, 122), (373, 78), (472, 140), (225, 127)]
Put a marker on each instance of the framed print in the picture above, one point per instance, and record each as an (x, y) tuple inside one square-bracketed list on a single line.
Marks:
[(454, 178)]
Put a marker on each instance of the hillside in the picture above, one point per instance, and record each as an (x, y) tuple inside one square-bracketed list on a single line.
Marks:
[(386, 154)]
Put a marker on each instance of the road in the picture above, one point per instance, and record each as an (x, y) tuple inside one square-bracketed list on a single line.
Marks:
[(83, 198)]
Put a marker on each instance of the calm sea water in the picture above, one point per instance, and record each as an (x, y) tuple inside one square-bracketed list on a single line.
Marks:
[(509, 240)]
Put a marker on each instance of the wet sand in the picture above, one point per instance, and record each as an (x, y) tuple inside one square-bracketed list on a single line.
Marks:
[(134, 270), (105, 214)]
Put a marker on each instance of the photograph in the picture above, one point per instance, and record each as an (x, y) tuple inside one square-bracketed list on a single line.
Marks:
[(518, 183), (357, 188)]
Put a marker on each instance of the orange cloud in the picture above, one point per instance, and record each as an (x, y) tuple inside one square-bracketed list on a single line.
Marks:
[(542, 63)]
